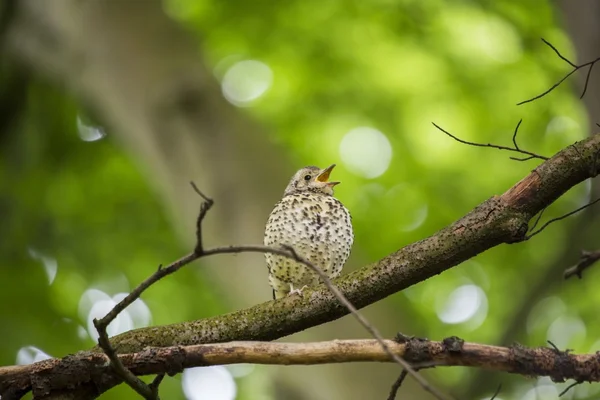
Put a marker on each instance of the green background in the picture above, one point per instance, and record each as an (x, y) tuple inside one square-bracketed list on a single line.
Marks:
[(96, 212)]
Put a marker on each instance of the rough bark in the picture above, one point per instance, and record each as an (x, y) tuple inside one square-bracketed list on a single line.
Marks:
[(83, 368), (501, 219), (580, 20), (158, 116)]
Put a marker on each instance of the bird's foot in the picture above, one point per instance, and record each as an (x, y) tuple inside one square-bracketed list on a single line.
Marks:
[(297, 291)]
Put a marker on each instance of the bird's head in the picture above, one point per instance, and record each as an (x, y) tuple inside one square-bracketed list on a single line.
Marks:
[(311, 179)]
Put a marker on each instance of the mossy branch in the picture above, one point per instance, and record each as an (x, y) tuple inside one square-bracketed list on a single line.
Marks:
[(500, 219)]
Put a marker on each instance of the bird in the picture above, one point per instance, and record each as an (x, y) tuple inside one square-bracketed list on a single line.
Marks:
[(315, 225)]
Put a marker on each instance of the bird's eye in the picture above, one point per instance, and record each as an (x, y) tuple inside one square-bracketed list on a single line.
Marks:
[(307, 177)]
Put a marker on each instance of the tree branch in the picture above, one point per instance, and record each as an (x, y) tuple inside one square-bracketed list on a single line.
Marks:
[(588, 258), (529, 155), (501, 219), (421, 353), (553, 220), (574, 69), (150, 392)]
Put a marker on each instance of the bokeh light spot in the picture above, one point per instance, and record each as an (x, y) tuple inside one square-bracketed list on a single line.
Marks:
[(544, 312), (82, 332), (30, 354), (246, 81), (240, 370), (462, 304), (50, 265), (88, 299), (366, 152), (95, 303), (89, 133), (139, 311), (120, 324), (542, 390), (411, 198), (565, 329), (215, 383), (562, 125)]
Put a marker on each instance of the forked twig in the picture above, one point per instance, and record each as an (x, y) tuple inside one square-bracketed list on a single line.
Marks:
[(516, 149), (537, 220), (150, 392), (575, 67), (370, 328), (527, 237)]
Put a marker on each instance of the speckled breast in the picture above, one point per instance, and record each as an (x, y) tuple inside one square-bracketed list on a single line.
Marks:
[(318, 227)]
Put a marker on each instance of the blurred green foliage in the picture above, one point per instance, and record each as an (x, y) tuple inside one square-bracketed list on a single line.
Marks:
[(394, 66)]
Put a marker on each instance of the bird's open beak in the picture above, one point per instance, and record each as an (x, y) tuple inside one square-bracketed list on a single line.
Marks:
[(324, 176)]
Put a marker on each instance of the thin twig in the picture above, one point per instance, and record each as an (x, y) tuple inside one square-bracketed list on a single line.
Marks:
[(149, 392), (496, 392), (588, 258), (527, 237), (537, 220), (587, 79), (589, 64), (204, 207), (396, 385), (569, 388), (554, 347), (156, 383), (199, 252), (494, 146), (133, 381), (558, 53), (370, 328), (514, 138)]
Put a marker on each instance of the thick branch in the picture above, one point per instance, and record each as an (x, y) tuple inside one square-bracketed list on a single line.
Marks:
[(541, 361), (501, 219)]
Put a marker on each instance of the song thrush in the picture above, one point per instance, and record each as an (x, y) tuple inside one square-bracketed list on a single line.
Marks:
[(315, 224)]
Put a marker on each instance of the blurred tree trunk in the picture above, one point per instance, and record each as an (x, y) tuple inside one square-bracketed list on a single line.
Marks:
[(580, 20), (144, 76)]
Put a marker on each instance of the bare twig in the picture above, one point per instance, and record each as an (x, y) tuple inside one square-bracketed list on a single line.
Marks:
[(537, 220), (149, 392), (156, 383), (591, 203), (204, 207), (199, 251), (589, 64), (516, 149), (487, 225), (369, 327), (133, 381), (588, 258), (572, 385), (396, 385), (497, 392), (554, 347)]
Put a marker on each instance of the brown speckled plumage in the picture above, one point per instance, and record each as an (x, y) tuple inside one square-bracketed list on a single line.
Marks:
[(315, 224)]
